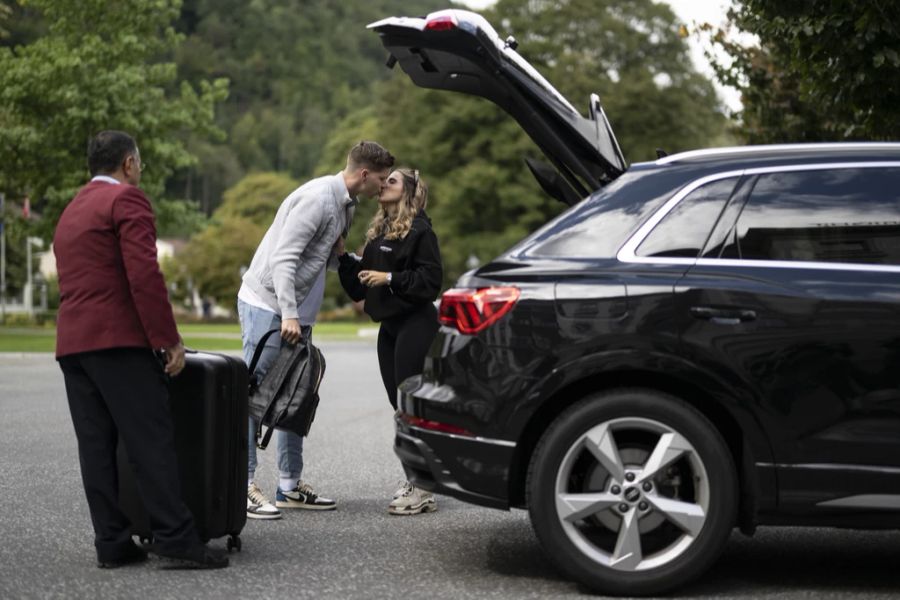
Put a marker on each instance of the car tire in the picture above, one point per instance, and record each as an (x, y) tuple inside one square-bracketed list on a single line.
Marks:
[(632, 492)]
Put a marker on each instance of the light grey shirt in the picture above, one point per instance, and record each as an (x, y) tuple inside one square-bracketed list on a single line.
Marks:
[(307, 311), (299, 245)]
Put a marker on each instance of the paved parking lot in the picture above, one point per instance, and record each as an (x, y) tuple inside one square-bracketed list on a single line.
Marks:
[(358, 551)]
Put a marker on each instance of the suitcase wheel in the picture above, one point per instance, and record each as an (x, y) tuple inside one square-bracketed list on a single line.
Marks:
[(233, 543)]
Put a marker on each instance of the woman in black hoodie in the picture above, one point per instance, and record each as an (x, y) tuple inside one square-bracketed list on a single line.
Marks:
[(399, 276)]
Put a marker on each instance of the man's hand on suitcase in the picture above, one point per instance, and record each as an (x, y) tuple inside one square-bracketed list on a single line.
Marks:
[(290, 330), (174, 359)]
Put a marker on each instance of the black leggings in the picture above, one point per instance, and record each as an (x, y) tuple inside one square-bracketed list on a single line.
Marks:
[(403, 342)]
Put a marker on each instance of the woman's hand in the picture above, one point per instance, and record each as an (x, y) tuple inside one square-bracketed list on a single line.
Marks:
[(373, 278)]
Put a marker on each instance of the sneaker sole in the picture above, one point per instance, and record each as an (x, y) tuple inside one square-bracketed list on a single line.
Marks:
[(263, 517), (425, 507), (285, 504)]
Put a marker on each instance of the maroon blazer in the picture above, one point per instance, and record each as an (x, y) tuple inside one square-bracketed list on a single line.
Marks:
[(111, 291)]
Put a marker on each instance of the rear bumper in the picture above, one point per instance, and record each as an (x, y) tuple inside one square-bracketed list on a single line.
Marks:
[(472, 469)]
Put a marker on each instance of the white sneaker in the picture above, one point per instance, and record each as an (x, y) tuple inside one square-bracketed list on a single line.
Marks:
[(258, 506), (405, 488), (303, 496), (411, 500)]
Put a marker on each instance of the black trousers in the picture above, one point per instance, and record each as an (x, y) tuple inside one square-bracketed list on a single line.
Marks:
[(116, 392), (403, 342)]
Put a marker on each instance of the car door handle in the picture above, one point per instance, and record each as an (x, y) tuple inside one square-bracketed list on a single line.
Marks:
[(723, 316)]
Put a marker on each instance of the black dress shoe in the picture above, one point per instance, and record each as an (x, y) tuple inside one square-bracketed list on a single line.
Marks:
[(131, 555), (197, 557)]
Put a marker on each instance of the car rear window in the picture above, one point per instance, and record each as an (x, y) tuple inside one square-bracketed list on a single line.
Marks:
[(684, 230), (597, 227)]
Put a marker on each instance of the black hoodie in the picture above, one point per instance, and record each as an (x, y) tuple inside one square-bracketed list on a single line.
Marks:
[(414, 263)]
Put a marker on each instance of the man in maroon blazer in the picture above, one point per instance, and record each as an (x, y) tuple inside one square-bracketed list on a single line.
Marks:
[(114, 313)]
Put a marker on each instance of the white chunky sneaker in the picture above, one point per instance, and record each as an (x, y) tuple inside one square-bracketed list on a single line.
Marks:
[(258, 506), (405, 488), (412, 501)]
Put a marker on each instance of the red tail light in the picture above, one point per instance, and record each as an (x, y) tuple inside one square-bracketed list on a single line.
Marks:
[(470, 310), (441, 23)]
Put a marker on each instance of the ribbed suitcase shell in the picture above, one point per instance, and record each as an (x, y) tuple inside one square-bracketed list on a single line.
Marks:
[(208, 400)]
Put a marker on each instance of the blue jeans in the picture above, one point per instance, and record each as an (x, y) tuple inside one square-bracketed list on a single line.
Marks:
[(288, 445)]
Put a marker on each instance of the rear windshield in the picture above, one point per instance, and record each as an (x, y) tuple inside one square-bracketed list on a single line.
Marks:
[(597, 227)]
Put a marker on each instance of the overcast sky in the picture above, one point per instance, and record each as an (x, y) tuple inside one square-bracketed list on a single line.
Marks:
[(705, 11), (689, 12)]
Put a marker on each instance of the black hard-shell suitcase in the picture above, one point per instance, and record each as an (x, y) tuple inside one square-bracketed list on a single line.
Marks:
[(208, 400)]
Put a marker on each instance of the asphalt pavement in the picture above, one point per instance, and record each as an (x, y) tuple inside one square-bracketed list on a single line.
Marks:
[(357, 551)]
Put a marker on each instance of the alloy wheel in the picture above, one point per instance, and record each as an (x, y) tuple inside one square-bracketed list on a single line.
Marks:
[(632, 494)]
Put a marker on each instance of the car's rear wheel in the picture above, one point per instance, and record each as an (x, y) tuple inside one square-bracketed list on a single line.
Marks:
[(632, 492)]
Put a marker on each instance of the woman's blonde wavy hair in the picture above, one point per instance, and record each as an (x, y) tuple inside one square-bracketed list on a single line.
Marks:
[(413, 199)]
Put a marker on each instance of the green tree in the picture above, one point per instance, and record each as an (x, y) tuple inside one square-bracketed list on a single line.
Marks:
[(19, 25), (296, 68), (632, 55), (212, 261), (17, 230), (821, 70), (99, 66), (178, 218), (4, 15)]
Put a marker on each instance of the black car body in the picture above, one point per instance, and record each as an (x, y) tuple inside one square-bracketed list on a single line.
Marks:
[(706, 341)]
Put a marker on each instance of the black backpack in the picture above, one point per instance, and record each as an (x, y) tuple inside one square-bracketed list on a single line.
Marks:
[(288, 395)]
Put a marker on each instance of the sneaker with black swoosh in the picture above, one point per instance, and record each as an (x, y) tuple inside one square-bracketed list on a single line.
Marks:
[(303, 496)]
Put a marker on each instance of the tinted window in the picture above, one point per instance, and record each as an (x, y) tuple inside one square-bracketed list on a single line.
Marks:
[(683, 232), (839, 215), (600, 225)]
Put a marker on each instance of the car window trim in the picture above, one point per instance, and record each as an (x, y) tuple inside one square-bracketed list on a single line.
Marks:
[(727, 222), (728, 201), (751, 151), (627, 253)]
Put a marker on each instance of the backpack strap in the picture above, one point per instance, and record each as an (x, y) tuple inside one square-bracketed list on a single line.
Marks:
[(261, 444), (260, 346)]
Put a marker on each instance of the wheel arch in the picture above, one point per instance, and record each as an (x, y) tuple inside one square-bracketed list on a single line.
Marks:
[(752, 491)]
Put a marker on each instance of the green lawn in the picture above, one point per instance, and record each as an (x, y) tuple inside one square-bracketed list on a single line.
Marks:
[(199, 336)]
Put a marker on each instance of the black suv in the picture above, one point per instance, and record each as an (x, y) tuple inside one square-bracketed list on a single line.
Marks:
[(706, 341)]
